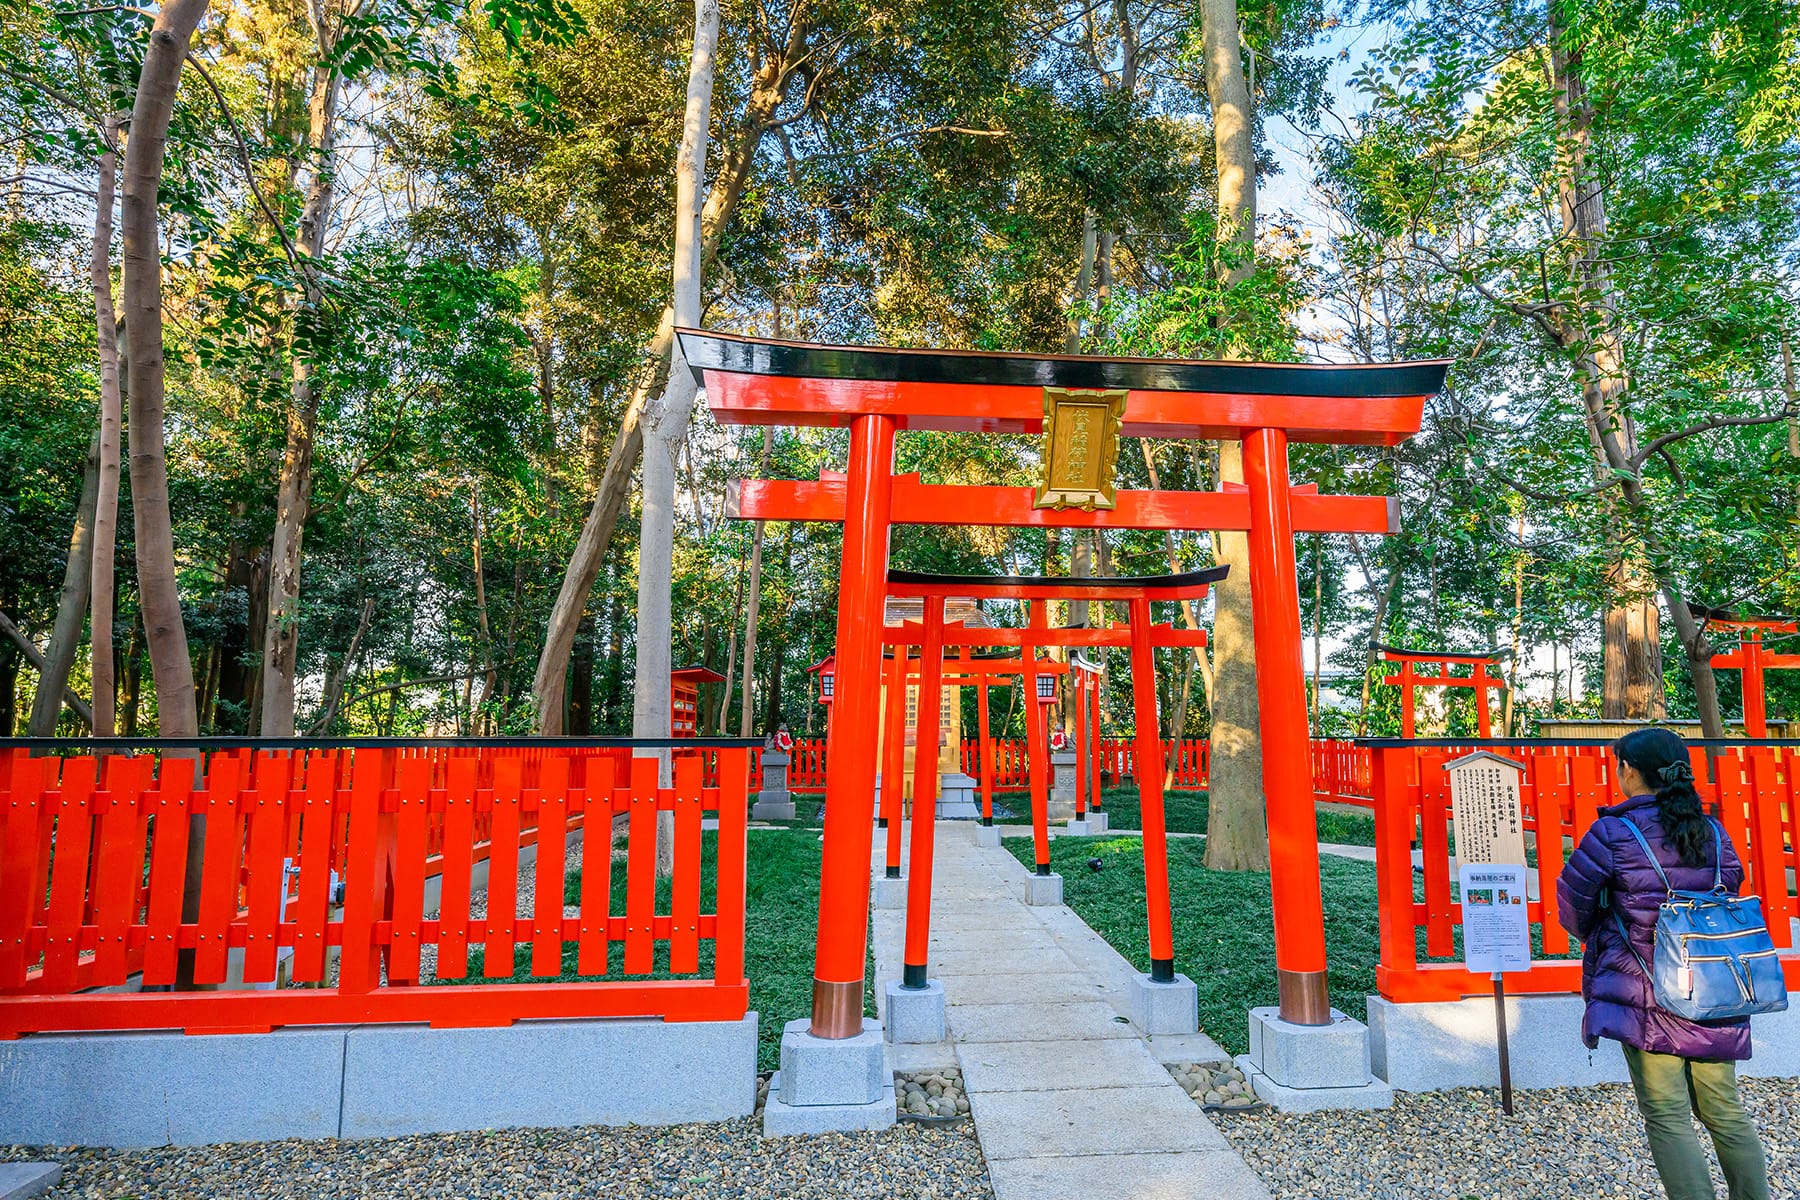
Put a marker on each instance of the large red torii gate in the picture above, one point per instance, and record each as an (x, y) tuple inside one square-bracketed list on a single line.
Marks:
[(1752, 658), (878, 391)]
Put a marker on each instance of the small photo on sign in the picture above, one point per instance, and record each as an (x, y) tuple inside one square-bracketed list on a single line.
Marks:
[(1479, 896)]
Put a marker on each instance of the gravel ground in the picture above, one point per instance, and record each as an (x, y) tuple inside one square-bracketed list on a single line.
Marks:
[(695, 1162), (1574, 1143)]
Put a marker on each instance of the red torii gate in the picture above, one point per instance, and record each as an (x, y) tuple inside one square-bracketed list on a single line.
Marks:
[(961, 671), (1478, 680), (1752, 659), (1141, 636), (878, 391)]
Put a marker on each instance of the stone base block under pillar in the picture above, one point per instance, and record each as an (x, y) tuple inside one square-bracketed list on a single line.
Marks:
[(890, 893), (913, 1016), (1043, 890), (1165, 1009), (1373, 1094)]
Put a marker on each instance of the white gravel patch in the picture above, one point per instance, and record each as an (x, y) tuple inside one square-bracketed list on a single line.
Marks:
[(1560, 1144), (727, 1159)]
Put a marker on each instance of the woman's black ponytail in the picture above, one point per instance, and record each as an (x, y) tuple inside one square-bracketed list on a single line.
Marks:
[(1662, 758)]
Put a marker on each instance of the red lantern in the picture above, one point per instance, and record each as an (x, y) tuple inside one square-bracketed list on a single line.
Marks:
[(826, 670), (1046, 689)]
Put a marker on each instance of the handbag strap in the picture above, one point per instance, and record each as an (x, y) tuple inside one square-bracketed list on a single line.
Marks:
[(1625, 936), (1648, 852)]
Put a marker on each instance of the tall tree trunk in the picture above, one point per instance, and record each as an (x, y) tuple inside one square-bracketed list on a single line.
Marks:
[(766, 93), (665, 422), (134, 669), (1236, 826), (1318, 623), (772, 698), (1515, 668), (1633, 678), (483, 628), (1084, 277), (71, 606), (106, 500), (581, 680), (746, 705), (158, 598), (281, 635)]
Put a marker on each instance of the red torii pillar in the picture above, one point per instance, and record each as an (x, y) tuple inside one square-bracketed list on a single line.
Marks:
[(872, 390), (837, 1003)]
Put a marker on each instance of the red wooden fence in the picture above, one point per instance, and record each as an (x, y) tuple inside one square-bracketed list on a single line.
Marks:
[(93, 861), (1754, 789)]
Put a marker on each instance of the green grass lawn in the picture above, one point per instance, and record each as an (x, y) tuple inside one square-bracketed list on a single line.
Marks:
[(1185, 812), (1223, 924), (809, 812), (780, 916)]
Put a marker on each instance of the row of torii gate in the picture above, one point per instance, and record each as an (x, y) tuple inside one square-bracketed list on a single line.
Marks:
[(1082, 405)]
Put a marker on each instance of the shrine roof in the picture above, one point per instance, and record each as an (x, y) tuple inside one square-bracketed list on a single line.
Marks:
[(763, 381)]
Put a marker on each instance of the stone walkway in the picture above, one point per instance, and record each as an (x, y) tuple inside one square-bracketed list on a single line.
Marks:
[(1068, 1098)]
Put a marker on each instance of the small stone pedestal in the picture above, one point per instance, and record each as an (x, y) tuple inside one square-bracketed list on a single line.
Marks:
[(1092, 824), (1062, 784), (1309, 1068), (890, 893), (1043, 890), (987, 836), (913, 1016), (827, 1086), (774, 802), (959, 797), (1165, 1009)]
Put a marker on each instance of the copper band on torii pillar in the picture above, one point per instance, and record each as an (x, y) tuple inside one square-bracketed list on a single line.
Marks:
[(1303, 997), (837, 1008)]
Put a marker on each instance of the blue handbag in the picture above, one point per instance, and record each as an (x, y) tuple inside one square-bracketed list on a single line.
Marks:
[(1714, 958)]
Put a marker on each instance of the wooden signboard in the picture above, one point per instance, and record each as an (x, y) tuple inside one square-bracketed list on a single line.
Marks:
[(1485, 808)]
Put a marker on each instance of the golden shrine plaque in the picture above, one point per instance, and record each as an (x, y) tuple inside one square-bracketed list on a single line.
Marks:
[(1081, 448)]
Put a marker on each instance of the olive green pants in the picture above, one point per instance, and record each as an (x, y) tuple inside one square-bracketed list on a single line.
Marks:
[(1669, 1088)]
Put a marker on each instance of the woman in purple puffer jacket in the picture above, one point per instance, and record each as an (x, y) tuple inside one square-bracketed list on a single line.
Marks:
[(1677, 1066)]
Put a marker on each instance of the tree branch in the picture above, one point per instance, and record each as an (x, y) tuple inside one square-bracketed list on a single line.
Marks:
[(249, 168), (903, 134), (1539, 314), (36, 658), (1656, 446)]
